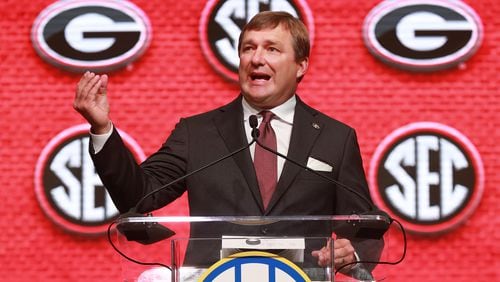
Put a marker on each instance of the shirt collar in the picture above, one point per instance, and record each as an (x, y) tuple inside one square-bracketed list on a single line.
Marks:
[(284, 112)]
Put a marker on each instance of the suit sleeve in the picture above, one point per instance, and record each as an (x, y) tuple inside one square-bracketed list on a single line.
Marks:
[(127, 182)]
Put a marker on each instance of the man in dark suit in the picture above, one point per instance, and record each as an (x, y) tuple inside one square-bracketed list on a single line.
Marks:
[(274, 57)]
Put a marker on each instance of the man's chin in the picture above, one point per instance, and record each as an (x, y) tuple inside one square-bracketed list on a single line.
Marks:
[(256, 100)]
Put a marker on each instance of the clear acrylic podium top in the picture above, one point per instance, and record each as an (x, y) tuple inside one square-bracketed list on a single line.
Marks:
[(197, 248)]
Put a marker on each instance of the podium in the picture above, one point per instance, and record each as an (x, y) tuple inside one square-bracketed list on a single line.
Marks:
[(248, 248)]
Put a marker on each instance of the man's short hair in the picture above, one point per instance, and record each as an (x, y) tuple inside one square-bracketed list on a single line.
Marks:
[(271, 20)]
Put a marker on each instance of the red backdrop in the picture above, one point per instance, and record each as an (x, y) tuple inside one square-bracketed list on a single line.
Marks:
[(173, 79)]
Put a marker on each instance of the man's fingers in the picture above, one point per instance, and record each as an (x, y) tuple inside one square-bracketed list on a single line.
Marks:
[(343, 252), (341, 243), (104, 85), (316, 253), (86, 91), (90, 89), (323, 256), (95, 87), (85, 84), (79, 86)]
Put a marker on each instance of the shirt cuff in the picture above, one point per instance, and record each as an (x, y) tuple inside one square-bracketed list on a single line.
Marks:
[(357, 259), (98, 140)]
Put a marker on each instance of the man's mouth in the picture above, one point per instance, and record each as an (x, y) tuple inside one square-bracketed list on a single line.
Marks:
[(259, 76)]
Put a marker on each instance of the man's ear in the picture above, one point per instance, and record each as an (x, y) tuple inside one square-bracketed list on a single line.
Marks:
[(301, 71)]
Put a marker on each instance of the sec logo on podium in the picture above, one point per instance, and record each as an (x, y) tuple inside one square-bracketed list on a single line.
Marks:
[(254, 266)]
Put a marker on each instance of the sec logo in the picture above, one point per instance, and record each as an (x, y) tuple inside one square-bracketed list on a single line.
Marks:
[(254, 266), (222, 21), (422, 35), (91, 35), (67, 187), (427, 175)]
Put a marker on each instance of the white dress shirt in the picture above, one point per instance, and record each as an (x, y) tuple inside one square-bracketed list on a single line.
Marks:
[(282, 125)]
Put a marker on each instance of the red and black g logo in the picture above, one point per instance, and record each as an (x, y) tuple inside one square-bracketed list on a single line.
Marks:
[(422, 35), (427, 175), (67, 187), (91, 35), (222, 21)]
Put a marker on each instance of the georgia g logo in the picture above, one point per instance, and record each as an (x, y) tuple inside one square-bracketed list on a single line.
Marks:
[(422, 35), (67, 187), (91, 35), (427, 175), (222, 21)]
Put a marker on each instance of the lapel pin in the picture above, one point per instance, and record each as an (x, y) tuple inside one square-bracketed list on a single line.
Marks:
[(315, 125)]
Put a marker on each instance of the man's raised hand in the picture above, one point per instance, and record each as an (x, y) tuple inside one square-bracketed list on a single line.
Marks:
[(91, 101)]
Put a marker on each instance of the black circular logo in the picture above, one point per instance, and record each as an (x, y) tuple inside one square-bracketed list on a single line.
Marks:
[(91, 35), (222, 21), (423, 35), (427, 175), (67, 187)]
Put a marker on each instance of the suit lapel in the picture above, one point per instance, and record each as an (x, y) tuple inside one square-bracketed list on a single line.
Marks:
[(306, 128), (229, 122)]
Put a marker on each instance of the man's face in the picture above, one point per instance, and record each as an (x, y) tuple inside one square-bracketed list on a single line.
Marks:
[(268, 71)]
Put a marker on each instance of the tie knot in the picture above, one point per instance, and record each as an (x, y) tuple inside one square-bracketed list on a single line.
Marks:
[(266, 116)]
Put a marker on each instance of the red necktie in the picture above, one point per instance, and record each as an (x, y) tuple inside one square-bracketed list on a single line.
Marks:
[(265, 162)]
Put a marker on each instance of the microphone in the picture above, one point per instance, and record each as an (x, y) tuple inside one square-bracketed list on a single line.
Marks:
[(253, 124), (351, 228), (152, 232)]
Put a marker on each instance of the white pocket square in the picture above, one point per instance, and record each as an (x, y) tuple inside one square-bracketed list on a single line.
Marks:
[(318, 165)]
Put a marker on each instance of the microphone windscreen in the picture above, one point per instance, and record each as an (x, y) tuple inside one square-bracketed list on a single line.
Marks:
[(253, 121)]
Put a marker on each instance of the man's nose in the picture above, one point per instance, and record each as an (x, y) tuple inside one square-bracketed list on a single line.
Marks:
[(258, 57)]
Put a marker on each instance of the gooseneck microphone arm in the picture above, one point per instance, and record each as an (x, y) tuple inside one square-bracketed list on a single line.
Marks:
[(153, 232), (140, 202)]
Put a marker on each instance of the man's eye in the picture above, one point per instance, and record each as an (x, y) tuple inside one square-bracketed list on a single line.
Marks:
[(273, 49)]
